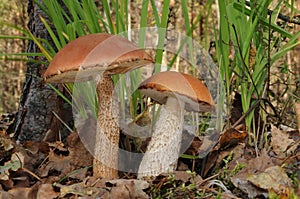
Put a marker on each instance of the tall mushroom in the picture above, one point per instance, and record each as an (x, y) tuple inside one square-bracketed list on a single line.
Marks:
[(176, 91), (99, 56)]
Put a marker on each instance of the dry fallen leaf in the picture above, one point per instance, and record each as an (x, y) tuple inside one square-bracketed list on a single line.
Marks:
[(6, 150), (258, 164), (184, 176), (77, 157), (297, 110), (280, 142), (80, 189), (122, 188), (46, 191), (56, 162), (6, 195), (15, 163), (208, 143), (102, 188), (6, 143), (24, 192), (273, 178), (231, 137)]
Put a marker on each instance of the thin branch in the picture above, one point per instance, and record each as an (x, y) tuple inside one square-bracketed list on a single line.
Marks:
[(294, 20)]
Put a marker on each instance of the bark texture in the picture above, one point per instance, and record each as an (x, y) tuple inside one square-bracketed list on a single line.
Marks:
[(34, 117)]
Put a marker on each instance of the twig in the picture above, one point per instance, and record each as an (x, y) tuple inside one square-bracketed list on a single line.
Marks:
[(290, 157), (243, 60), (223, 195), (207, 179), (62, 121), (31, 173), (245, 114)]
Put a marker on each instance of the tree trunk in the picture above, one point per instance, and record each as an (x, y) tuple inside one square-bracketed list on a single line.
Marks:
[(34, 117)]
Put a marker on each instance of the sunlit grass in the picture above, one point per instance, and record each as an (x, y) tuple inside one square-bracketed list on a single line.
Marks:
[(251, 34), (247, 45)]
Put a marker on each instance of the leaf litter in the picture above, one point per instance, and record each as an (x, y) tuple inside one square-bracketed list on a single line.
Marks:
[(230, 168)]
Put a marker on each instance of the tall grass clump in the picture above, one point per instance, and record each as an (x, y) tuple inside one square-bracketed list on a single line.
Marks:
[(248, 46)]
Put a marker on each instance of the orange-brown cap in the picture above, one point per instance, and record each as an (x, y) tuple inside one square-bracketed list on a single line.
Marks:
[(93, 54), (185, 87)]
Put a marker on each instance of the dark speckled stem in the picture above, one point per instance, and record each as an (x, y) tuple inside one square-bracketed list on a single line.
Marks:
[(107, 138)]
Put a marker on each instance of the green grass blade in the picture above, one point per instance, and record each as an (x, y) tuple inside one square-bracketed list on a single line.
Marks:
[(52, 34), (22, 54), (60, 94), (92, 16), (112, 28), (155, 12), (15, 37), (276, 28), (287, 47), (222, 45), (185, 12), (40, 45), (56, 14), (162, 36)]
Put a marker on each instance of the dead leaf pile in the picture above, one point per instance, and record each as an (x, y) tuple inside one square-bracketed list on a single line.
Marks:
[(256, 175), (40, 164), (96, 188), (225, 162), (63, 159), (281, 143), (267, 172)]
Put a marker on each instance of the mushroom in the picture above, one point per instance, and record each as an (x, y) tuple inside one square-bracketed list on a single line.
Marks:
[(176, 92), (99, 56)]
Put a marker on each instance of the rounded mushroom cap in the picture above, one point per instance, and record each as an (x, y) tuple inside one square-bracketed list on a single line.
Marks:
[(92, 54), (185, 87)]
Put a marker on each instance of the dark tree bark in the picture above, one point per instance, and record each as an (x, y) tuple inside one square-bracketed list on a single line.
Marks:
[(35, 117)]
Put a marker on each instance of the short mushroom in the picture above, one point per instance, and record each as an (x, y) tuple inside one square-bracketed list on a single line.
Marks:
[(99, 56), (176, 91)]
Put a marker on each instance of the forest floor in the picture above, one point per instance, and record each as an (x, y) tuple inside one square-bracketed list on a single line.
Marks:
[(234, 163), (233, 168)]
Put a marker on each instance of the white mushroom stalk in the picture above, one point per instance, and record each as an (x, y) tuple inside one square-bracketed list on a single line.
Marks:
[(176, 92), (163, 150)]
